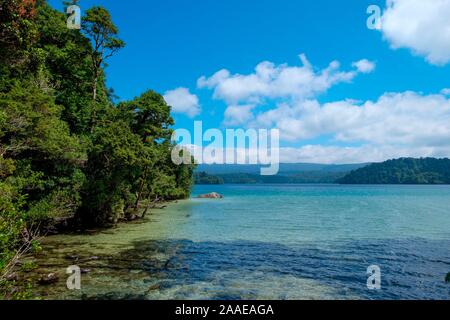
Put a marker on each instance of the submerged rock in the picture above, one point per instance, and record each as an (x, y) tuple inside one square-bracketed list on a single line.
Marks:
[(212, 195), (155, 287), (12, 277), (72, 257), (49, 278), (92, 258)]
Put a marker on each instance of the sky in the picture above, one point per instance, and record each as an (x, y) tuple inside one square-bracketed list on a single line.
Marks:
[(338, 91)]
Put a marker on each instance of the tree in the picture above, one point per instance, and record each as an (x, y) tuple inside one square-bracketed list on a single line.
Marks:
[(67, 159), (114, 159), (99, 27), (17, 32), (149, 118)]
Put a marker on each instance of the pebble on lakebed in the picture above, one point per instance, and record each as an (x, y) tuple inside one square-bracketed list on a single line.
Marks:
[(49, 279)]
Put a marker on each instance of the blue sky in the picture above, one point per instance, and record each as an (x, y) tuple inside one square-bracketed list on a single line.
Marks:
[(171, 44)]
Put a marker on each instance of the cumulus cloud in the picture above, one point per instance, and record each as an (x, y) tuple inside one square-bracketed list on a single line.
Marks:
[(406, 118), (270, 81), (446, 91), (422, 26), (395, 125), (364, 66), (238, 115), (182, 101), (405, 124)]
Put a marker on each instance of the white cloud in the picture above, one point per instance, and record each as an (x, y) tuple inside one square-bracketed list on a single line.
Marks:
[(364, 66), (423, 26), (396, 125), (182, 101), (363, 154), (238, 115), (446, 91), (270, 81), (394, 119), (324, 154)]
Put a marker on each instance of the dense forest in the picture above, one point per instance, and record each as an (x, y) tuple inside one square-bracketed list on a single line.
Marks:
[(402, 171), (205, 178), (69, 154)]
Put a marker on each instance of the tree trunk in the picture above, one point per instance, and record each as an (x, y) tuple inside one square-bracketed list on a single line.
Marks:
[(94, 97), (148, 206), (94, 88), (141, 188)]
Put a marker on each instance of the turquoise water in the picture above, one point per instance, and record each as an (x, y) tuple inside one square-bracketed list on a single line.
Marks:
[(272, 242)]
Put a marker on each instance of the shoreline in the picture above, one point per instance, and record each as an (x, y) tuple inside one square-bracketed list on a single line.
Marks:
[(29, 270), (169, 255)]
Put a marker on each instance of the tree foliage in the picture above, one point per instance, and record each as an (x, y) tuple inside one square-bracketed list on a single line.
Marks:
[(100, 29), (66, 158)]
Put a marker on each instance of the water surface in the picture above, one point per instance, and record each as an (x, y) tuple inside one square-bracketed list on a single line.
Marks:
[(268, 242)]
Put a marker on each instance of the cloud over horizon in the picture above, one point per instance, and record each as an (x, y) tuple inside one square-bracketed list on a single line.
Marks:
[(401, 124), (405, 124), (423, 26)]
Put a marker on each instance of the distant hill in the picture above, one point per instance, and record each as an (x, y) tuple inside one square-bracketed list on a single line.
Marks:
[(402, 171), (285, 168), (205, 178), (289, 173), (298, 178)]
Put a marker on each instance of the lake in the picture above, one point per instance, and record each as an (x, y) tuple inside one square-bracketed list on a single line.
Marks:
[(267, 242)]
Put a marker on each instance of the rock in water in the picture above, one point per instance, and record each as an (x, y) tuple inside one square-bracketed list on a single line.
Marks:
[(447, 278), (155, 287), (48, 279), (12, 277), (212, 195)]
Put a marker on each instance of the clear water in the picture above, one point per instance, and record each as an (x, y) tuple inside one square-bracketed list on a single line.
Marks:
[(268, 242)]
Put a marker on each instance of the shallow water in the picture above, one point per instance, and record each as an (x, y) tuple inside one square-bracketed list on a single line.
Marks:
[(267, 242)]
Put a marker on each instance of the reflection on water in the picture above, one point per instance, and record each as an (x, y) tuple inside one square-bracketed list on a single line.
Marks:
[(190, 251)]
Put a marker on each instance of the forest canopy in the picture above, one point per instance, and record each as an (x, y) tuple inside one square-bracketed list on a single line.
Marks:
[(402, 171), (68, 153)]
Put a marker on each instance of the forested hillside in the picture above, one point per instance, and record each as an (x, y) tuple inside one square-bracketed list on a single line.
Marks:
[(205, 178), (68, 153), (292, 173), (402, 171)]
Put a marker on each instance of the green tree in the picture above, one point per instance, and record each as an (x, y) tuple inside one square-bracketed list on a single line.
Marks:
[(66, 158), (99, 27)]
